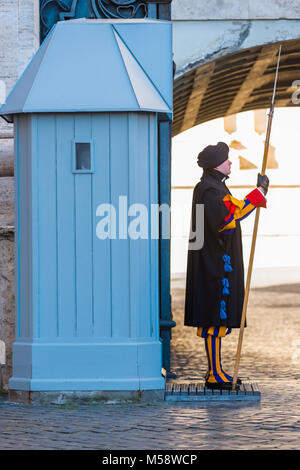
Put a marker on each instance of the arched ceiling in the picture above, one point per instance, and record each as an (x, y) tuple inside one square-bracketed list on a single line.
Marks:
[(234, 83)]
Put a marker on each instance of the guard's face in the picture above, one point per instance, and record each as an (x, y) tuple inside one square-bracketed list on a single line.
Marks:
[(225, 167)]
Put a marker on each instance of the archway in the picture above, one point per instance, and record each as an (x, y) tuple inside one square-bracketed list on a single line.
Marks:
[(237, 83), (234, 83)]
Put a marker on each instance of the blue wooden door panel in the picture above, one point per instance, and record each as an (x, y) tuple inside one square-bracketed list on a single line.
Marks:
[(90, 287), (139, 248), (119, 248), (66, 248), (33, 160), (154, 242), (47, 223), (84, 241), (134, 253), (22, 246), (101, 248), (143, 195), (24, 220)]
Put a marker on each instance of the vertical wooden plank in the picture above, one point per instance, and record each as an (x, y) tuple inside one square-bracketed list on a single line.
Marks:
[(26, 228), (33, 161), (21, 233), (119, 247), (255, 389), (154, 242), (139, 248), (84, 242), (66, 250), (185, 389), (47, 225), (17, 223), (134, 274), (29, 318), (248, 389), (142, 182), (176, 389), (200, 387), (101, 247), (23, 228)]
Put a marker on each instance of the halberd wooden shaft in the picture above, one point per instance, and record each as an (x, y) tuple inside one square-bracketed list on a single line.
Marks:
[(254, 236)]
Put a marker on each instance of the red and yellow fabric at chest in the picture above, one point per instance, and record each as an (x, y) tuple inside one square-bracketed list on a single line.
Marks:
[(239, 209)]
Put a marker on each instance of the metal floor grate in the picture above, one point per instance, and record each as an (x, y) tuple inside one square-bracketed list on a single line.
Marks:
[(198, 392)]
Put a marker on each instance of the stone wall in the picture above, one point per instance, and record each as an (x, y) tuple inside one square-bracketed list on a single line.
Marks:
[(7, 322), (235, 9), (198, 42), (19, 39)]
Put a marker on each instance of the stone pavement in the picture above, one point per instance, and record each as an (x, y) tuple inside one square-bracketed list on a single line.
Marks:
[(271, 357)]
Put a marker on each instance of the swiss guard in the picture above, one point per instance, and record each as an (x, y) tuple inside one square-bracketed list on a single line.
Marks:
[(215, 271)]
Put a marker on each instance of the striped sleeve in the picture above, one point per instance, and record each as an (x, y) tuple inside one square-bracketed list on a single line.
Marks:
[(240, 209)]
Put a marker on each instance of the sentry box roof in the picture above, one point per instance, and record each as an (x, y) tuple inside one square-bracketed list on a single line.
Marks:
[(98, 65)]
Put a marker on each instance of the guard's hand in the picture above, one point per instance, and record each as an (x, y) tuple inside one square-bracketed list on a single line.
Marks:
[(263, 182)]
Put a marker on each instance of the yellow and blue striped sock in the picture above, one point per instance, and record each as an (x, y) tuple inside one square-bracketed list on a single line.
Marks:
[(212, 337)]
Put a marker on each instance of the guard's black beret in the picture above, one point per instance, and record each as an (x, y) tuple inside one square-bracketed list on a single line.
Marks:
[(213, 155)]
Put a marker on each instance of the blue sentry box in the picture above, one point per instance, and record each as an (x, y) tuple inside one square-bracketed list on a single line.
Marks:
[(87, 309)]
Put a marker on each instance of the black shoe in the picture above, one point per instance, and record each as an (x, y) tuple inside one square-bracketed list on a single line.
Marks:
[(221, 386), (238, 381)]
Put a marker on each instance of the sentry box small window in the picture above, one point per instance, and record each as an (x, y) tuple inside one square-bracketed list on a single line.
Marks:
[(82, 157)]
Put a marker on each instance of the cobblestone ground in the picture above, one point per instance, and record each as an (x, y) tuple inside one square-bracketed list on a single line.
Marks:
[(271, 357)]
